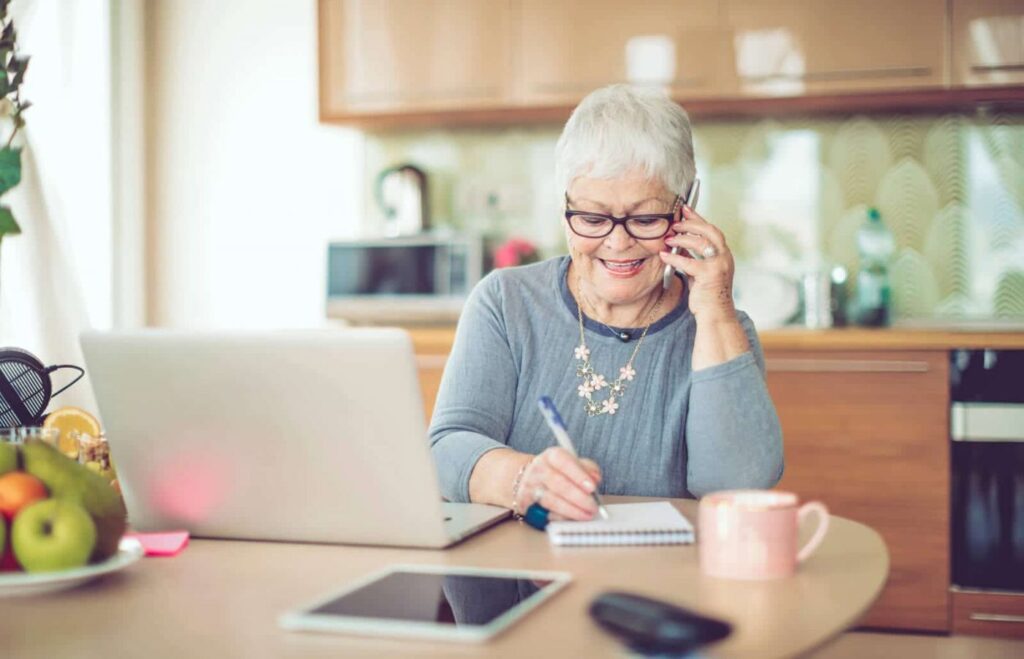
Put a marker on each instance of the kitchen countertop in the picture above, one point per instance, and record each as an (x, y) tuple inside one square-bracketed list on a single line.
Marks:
[(948, 337)]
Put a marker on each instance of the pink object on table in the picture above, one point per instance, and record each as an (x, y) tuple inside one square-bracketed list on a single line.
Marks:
[(169, 543), (753, 534)]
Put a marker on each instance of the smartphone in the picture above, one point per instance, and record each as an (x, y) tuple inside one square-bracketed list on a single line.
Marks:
[(691, 201)]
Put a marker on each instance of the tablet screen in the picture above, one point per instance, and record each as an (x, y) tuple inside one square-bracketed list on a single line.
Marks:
[(435, 598)]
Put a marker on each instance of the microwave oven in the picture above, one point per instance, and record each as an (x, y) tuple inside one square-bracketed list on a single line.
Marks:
[(424, 278)]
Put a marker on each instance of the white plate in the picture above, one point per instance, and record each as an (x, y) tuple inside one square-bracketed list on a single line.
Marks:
[(13, 584)]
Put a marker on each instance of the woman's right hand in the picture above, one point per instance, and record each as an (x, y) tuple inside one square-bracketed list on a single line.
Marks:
[(561, 483)]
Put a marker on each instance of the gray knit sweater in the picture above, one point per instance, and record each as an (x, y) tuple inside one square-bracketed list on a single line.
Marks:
[(676, 433)]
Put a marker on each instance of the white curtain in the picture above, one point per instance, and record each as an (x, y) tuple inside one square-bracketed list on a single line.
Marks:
[(55, 277), (42, 308)]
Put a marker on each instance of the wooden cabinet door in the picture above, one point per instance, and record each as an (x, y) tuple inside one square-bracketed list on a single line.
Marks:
[(432, 346), (797, 47), (386, 56), (867, 433), (430, 368), (568, 48), (988, 42)]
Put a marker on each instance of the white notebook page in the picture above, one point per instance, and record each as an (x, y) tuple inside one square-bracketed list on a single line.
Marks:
[(656, 522)]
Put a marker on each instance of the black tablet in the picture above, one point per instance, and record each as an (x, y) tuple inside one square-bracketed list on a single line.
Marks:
[(426, 601)]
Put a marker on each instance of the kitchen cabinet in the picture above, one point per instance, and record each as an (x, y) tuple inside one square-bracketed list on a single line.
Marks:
[(988, 42), (431, 346), (405, 56), (868, 434), (797, 47), (436, 62), (988, 613), (571, 47)]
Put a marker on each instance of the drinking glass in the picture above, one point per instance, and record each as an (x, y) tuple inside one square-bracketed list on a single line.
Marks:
[(22, 434)]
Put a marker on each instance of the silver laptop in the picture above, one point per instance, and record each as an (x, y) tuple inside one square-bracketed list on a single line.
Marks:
[(314, 436)]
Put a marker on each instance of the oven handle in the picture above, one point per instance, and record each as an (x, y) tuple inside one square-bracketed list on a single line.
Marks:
[(987, 422), (996, 617)]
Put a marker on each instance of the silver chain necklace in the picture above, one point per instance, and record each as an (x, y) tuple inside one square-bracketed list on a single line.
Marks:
[(593, 381)]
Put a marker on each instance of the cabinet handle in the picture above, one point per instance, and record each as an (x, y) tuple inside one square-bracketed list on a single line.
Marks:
[(987, 68), (549, 88), (843, 74), (844, 366), (996, 617), (429, 95)]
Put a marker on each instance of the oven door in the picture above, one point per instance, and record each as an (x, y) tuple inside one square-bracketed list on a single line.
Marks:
[(988, 495)]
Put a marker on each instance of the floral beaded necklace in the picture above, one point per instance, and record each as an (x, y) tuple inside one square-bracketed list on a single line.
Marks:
[(593, 381)]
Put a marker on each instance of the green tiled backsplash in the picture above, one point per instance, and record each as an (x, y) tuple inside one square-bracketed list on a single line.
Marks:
[(788, 193)]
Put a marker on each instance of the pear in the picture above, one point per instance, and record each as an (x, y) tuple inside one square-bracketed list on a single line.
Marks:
[(8, 457), (68, 480)]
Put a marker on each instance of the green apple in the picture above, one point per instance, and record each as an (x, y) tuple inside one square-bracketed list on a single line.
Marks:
[(53, 535), (8, 457), (67, 480)]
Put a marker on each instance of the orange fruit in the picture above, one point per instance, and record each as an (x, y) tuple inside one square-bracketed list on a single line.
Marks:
[(73, 422), (17, 490)]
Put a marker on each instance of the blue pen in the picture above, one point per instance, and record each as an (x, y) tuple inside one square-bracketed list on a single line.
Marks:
[(554, 420)]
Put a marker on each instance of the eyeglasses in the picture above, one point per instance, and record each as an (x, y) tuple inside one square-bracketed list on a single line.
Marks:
[(649, 226)]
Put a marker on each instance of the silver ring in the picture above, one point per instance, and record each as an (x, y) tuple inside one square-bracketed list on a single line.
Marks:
[(538, 493), (709, 252)]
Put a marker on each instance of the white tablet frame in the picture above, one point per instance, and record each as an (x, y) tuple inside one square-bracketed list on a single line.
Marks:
[(301, 619)]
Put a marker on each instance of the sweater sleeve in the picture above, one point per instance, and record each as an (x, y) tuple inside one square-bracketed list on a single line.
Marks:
[(733, 437), (475, 403)]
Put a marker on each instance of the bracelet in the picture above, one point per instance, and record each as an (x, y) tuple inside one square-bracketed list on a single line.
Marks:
[(515, 489)]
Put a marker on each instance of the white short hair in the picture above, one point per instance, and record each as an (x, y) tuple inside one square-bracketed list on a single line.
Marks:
[(620, 128)]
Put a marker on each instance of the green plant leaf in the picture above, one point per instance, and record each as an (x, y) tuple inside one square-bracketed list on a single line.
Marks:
[(20, 65), (7, 223), (10, 168)]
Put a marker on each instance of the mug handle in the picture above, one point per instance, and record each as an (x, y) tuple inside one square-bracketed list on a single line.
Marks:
[(819, 533)]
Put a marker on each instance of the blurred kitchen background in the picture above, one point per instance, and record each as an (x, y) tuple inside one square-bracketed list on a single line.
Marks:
[(195, 158), (790, 194)]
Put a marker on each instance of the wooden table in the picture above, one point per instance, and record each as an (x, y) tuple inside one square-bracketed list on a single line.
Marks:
[(222, 599)]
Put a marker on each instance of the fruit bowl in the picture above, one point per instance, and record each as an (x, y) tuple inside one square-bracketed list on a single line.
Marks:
[(13, 584)]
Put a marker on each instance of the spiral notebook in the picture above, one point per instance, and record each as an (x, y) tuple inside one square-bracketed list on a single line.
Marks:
[(655, 523)]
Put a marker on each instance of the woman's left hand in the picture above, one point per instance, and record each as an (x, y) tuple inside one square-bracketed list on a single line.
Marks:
[(710, 278)]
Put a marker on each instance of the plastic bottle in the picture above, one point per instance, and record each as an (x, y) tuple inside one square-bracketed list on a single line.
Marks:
[(875, 246)]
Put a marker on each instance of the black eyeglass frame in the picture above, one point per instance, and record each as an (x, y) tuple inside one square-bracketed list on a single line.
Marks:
[(624, 220)]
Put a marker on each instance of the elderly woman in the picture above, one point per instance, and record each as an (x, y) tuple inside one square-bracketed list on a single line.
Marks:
[(661, 388)]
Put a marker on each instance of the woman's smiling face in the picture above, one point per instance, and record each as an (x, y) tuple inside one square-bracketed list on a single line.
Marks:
[(618, 269)]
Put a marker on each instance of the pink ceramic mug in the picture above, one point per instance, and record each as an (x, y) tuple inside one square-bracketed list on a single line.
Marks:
[(752, 534)]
